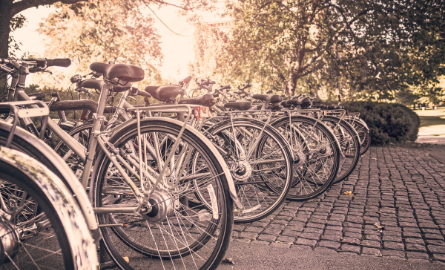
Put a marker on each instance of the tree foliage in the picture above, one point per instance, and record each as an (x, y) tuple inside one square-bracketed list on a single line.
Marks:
[(358, 46), (102, 31)]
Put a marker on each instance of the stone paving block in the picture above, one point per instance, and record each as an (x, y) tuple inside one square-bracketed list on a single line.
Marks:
[(439, 257), (350, 248), (249, 235), (436, 249), (312, 230), (416, 255), (411, 234), (373, 237), (370, 251), (297, 228), (306, 242), (352, 234), (393, 253), (415, 247), (370, 243), (433, 236), (291, 233), (267, 237), (418, 241), (272, 231), (280, 245), (351, 240), (329, 244), (280, 221), (393, 245), (331, 237), (392, 238), (435, 242), (313, 236), (253, 229), (243, 240)]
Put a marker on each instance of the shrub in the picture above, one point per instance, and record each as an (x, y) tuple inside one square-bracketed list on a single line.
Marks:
[(387, 122)]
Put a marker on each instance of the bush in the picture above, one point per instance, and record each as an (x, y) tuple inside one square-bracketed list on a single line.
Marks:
[(387, 122)]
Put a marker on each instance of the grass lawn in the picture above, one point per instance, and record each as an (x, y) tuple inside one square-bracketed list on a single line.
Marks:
[(432, 122)]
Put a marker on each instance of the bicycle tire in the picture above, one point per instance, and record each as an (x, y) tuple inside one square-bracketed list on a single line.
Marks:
[(259, 199), (349, 143), (54, 223), (210, 244), (316, 153)]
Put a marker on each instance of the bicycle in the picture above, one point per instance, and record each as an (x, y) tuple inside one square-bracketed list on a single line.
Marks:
[(41, 223), (141, 197)]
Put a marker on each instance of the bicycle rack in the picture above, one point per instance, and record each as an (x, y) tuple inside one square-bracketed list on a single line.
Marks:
[(42, 111)]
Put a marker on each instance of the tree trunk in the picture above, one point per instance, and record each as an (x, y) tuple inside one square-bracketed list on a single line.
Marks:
[(5, 18)]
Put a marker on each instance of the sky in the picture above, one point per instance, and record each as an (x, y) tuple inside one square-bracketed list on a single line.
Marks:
[(177, 50)]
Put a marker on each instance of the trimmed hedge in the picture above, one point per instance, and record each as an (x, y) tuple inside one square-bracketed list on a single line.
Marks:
[(387, 122)]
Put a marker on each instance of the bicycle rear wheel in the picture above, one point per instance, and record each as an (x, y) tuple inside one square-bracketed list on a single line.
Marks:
[(180, 231), (316, 154), (41, 226), (349, 145)]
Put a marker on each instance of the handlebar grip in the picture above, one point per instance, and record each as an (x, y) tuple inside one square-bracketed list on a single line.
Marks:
[(59, 62)]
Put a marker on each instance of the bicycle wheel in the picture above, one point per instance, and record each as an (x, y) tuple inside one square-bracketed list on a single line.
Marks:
[(316, 154), (180, 231), (349, 145), (262, 179), (363, 133), (41, 226)]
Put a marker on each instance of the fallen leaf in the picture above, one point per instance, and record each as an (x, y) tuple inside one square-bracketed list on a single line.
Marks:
[(379, 226), (349, 193), (228, 260)]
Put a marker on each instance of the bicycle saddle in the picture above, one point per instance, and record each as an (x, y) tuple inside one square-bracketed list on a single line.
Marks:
[(37, 96), (122, 72), (92, 84), (269, 98), (238, 105), (165, 92), (303, 102), (206, 100), (285, 104)]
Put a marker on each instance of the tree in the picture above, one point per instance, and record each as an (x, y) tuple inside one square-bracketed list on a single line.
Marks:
[(101, 31), (354, 45), (10, 9)]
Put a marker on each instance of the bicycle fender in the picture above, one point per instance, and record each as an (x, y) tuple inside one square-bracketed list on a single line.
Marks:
[(82, 244), (61, 169)]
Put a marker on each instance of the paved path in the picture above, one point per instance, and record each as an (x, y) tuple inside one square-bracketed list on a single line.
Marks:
[(402, 189)]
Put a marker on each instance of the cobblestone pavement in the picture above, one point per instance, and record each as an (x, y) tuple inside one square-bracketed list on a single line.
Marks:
[(402, 189)]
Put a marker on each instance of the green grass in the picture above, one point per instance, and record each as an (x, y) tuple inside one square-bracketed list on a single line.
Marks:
[(432, 122)]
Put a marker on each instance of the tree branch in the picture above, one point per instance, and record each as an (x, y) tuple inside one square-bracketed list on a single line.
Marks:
[(20, 6)]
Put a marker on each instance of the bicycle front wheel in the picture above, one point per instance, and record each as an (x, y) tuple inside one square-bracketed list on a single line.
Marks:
[(180, 231), (260, 162), (41, 226)]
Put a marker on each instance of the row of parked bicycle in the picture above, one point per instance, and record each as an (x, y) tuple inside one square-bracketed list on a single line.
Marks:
[(158, 185)]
